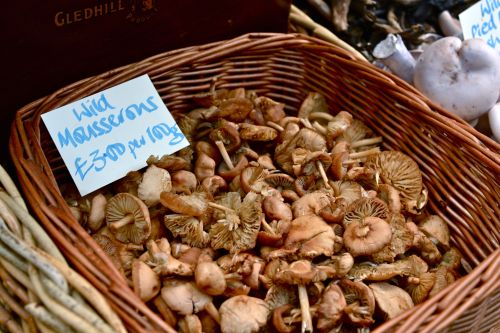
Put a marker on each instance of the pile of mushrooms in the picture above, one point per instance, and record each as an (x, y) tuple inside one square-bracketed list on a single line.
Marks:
[(273, 220)]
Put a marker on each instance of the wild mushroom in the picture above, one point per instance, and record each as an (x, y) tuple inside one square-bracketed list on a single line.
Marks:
[(347, 190), (190, 324), (390, 300), (122, 255), (420, 286), (314, 102), (185, 298), (145, 281), (468, 79), (341, 264), (394, 54), (410, 266), (154, 181), (214, 184), (330, 308), (428, 250), (494, 119), (391, 197), (204, 167), (437, 230), (204, 147), (401, 240), (252, 132), (276, 209), (171, 163), (401, 172), (233, 109), (232, 166), (237, 223), (365, 207), (209, 276), (97, 212), (160, 256), (309, 237), (243, 314), (184, 182), (301, 273), (368, 236), (252, 178), (128, 219), (450, 26), (360, 302), (195, 204), (128, 184), (271, 110), (243, 266), (190, 229), (312, 203)]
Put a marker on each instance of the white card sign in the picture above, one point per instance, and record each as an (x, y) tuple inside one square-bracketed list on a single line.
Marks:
[(104, 136), (482, 20)]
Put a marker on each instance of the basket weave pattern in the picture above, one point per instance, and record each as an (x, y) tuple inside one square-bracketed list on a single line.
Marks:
[(460, 166)]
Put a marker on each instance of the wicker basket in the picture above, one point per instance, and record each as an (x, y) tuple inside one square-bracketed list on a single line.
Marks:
[(460, 165)]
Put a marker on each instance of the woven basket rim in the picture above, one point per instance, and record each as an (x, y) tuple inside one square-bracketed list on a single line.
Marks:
[(482, 145)]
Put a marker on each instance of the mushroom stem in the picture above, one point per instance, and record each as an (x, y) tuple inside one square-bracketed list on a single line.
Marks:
[(321, 115), (129, 218), (366, 142), (320, 128), (213, 312), (267, 227), (224, 208), (304, 308), (232, 276), (225, 155), (394, 54), (323, 174), (275, 126), (364, 153)]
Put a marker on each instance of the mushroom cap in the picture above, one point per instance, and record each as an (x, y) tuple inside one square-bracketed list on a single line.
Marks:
[(145, 281), (330, 308), (367, 237), (97, 212), (365, 207), (252, 132), (154, 181), (279, 294), (184, 297), (436, 229), (462, 77), (209, 278), (390, 300), (234, 109), (195, 204), (183, 181), (190, 229), (360, 302), (169, 162), (398, 170), (243, 314), (357, 131), (311, 236), (349, 191), (401, 241), (314, 102), (124, 204), (204, 166), (271, 110), (311, 203), (252, 179), (276, 209), (300, 272)]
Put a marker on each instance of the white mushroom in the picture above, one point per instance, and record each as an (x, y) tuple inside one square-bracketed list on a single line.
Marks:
[(393, 53), (154, 181), (494, 118), (463, 78)]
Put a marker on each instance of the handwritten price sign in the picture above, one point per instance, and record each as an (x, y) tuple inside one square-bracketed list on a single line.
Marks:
[(482, 20), (104, 136)]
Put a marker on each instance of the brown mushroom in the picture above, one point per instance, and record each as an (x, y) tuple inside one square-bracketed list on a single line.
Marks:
[(145, 281), (190, 324), (365, 207), (128, 218), (204, 167), (243, 314), (171, 163), (330, 308), (233, 109), (301, 273), (336, 126), (451, 259), (97, 212), (278, 319), (252, 178), (367, 236), (437, 230), (184, 297), (410, 266), (309, 236), (232, 166), (428, 250), (122, 255), (184, 182), (188, 228), (340, 264), (195, 204), (237, 223), (276, 209), (214, 184), (401, 240), (271, 110), (312, 203), (154, 181), (252, 132), (204, 147), (390, 300), (128, 184), (164, 263), (360, 302), (391, 197), (314, 102), (401, 172), (209, 276), (420, 286), (347, 190)]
